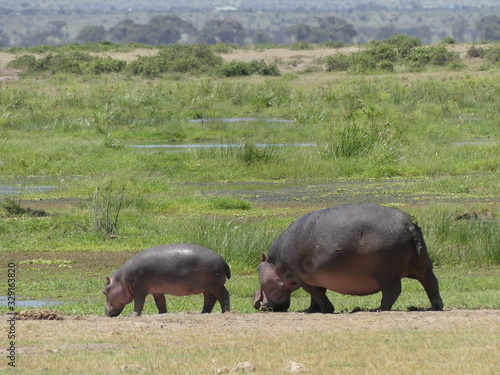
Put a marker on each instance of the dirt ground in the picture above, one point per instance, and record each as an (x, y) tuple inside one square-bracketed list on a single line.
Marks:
[(453, 341)]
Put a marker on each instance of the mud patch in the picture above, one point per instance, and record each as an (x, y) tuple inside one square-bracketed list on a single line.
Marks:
[(39, 314)]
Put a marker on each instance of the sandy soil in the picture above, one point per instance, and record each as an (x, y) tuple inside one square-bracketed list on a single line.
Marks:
[(236, 324), (264, 343)]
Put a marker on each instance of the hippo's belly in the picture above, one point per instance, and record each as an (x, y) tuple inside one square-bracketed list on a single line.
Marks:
[(177, 289), (346, 284)]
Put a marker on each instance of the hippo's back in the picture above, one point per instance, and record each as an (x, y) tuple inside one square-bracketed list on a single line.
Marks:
[(174, 259), (341, 230)]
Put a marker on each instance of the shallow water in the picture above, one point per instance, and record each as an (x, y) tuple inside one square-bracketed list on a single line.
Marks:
[(24, 185), (241, 119), (197, 145), (29, 302)]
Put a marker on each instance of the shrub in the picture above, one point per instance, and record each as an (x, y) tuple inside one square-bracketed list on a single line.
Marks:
[(433, 55), (74, 62), (474, 52), (492, 54), (386, 65), (448, 40), (27, 62), (235, 69), (383, 52), (105, 65), (337, 62), (403, 43), (197, 58), (149, 67), (361, 62)]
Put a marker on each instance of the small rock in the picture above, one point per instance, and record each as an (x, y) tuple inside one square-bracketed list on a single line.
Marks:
[(244, 367), (295, 367), (222, 370)]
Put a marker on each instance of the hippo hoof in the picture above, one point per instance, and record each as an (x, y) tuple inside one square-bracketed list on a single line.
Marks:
[(437, 305)]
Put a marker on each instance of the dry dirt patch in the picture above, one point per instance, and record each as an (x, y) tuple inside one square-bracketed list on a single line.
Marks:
[(447, 342)]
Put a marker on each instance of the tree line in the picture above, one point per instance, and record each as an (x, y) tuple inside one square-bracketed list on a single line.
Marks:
[(171, 29)]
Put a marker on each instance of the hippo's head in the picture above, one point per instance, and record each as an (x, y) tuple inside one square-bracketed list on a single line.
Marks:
[(117, 296), (273, 294)]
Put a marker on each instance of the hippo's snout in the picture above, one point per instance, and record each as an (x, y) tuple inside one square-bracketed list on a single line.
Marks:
[(112, 312)]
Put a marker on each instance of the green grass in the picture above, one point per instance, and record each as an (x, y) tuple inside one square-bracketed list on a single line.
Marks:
[(426, 142), (62, 280)]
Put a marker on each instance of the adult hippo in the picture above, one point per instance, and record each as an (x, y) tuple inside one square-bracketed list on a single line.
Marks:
[(178, 269), (355, 249)]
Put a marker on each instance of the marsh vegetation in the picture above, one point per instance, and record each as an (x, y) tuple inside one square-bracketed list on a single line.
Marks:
[(422, 137)]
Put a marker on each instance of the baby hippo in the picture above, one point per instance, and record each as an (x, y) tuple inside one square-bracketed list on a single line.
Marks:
[(177, 269)]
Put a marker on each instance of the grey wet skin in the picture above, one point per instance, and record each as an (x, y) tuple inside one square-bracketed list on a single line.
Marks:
[(176, 269), (355, 249)]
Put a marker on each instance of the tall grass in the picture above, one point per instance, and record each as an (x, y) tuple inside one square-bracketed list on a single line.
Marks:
[(240, 243), (458, 237), (107, 203)]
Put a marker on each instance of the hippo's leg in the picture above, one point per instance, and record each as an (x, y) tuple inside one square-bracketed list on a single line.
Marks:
[(314, 307), (139, 300), (223, 298), (319, 300), (160, 303), (208, 302), (391, 289), (431, 286), (221, 295)]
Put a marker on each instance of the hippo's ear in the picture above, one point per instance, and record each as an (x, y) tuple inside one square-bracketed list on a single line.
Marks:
[(264, 258), (108, 280)]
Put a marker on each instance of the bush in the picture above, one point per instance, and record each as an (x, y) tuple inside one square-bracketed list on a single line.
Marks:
[(74, 62), (235, 69), (241, 68), (337, 62), (403, 43), (176, 58), (383, 52), (474, 52), (448, 40), (105, 65), (434, 55), (492, 55), (386, 65), (362, 62)]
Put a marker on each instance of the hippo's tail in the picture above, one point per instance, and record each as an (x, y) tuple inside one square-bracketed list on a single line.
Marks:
[(228, 270), (418, 238)]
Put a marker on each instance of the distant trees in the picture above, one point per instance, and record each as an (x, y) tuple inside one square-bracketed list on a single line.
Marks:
[(222, 31), (92, 34), (330, 28), (159, 30), (335, 28), (53, 33), (4, 39), (458, 29), (489, 27)]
